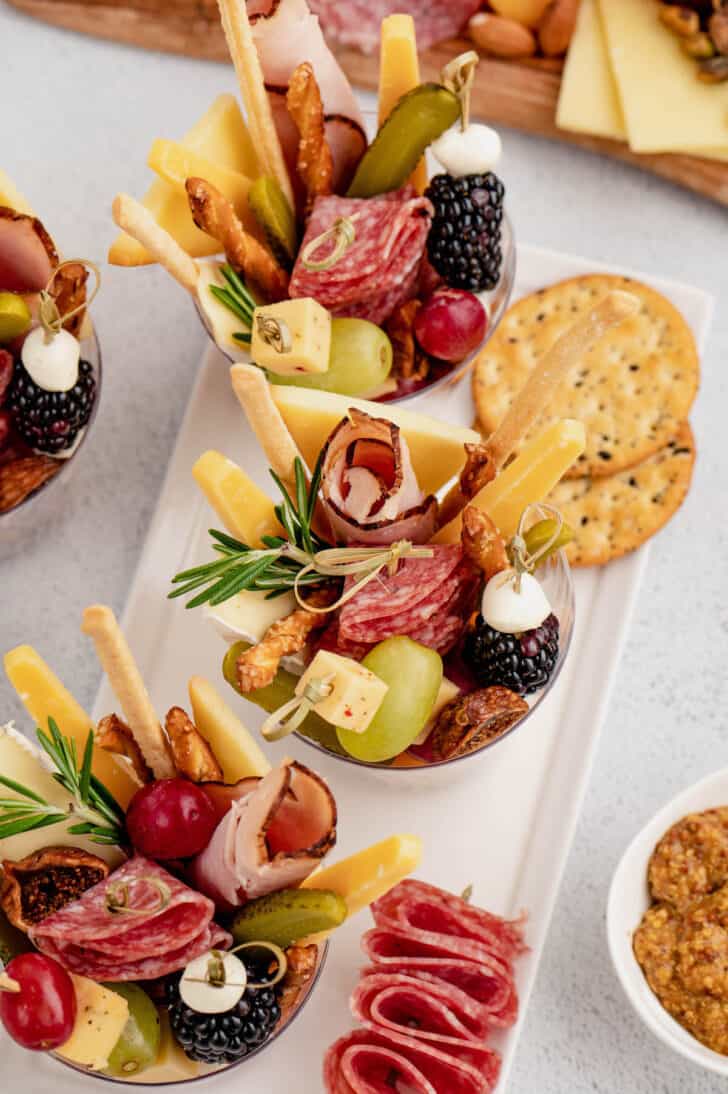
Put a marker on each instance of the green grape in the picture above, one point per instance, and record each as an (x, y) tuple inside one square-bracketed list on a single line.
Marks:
[(278, 692), (360, 360), (138, 1046), (414, 674)]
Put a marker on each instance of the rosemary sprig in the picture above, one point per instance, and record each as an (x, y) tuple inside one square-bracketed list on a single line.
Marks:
[(237, 298), (100, 817)]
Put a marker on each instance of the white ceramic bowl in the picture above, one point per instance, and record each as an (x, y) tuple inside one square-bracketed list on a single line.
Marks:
[(629, 900)]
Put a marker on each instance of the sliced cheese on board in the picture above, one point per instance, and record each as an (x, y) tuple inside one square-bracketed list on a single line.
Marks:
[(24, 763), (245, 510), (172, 1065), (399, 72), (369, 874), (530, 477), (589, 101), (221, 136), (44, 696), (235, 748), (665, 106), (101, 1015), (436, 447)]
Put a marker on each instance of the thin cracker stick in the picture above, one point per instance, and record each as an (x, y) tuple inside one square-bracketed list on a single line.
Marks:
[(134, 219), (266, 421), (240, 42), (112, 650), (536, 394)]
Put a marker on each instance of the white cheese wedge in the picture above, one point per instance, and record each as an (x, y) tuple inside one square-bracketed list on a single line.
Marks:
[(356, 693), (24, 763), (248, 615), (100, 1019), (220, 322)]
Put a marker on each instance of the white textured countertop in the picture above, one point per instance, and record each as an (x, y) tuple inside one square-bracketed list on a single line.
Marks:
[(77, 118)]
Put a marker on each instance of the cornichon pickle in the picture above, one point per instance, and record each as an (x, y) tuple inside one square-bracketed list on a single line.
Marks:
[(277, 693), (539, 535), (288, 915), (416, 121), (274, 214)]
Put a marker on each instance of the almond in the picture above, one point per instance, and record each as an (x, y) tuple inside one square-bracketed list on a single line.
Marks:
[(556, 28), (21, 477), (501, 37)]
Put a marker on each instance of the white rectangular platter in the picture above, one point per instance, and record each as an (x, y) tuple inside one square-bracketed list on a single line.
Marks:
[(505, 826)]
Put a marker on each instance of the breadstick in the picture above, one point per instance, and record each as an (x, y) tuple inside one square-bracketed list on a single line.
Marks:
[(131, 216), (112, 650), (534, 397), (264, 418), (244, 55)]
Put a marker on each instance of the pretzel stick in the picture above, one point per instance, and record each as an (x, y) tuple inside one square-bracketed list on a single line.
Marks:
[(131, 216), (240, 43), (112, 650), (266, 421), (485, 461)]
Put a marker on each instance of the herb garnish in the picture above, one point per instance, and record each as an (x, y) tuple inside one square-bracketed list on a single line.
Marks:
[(237, 298), (100, 817)]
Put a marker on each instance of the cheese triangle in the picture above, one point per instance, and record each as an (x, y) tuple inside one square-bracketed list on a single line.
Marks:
[(437, 449)]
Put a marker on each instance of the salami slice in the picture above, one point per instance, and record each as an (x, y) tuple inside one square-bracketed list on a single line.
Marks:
[(139, 923), (430, 1009), (357, 23), (379, 269), (371, 1060)]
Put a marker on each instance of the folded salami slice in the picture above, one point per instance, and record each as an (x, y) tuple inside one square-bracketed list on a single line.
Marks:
[(357, 23), (137, 924), (371, 1060), (369, 486), (379, 269), (272, 838)]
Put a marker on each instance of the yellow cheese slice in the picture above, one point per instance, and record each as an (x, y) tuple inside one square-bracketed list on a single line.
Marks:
[(100, 1019), (235, 748), (11, 197), (44, 696), (365, 876), (247, 512), (175, 163), (665, 106), (220, 136), (172, 1065), (436, 448), (529, 478), (588, 101), (399, 72), (23, 762)]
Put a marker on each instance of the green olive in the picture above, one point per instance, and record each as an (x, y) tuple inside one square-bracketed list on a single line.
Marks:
[(539, 535), (416, 121)]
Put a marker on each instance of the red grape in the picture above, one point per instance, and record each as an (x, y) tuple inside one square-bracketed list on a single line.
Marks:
[(42, 1014), (170, 818), (451, 324)]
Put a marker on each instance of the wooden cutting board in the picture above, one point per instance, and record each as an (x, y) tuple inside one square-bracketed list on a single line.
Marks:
[(522, 95)]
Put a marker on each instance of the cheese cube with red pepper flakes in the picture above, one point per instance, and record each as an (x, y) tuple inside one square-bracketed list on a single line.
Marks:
[(292, 337), (356, 693)]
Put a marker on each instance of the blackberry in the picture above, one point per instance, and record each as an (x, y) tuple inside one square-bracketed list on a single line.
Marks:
[(227, 1037), (50, 421), (464, 244), (522, 662)]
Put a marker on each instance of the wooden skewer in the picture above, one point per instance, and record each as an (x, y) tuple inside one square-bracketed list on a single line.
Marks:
[(112, 649), (134, 219)]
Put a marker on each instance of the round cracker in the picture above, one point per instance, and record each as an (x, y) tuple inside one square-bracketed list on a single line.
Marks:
[(631, 391), (615, 514)]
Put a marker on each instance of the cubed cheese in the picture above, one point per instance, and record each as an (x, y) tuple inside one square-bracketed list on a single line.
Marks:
[(100, 1019), (356, 693), (291, 337)]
